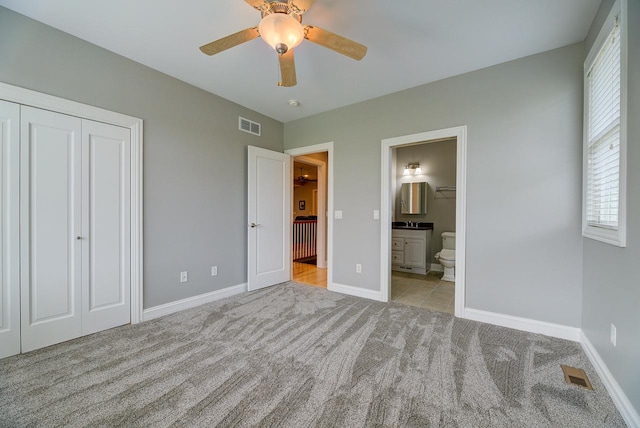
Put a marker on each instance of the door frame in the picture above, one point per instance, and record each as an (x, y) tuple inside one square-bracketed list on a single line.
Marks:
[(307, 150), (388, 167), (43, 101)]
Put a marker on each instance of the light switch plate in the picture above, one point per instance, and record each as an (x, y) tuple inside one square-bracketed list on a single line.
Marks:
[(614, 334), (338, 215), (376, 214)]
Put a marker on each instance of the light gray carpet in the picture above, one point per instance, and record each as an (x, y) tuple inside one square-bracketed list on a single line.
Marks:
[(298, 356)]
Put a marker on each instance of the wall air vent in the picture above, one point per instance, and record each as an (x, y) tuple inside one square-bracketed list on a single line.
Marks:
[(249, 126)]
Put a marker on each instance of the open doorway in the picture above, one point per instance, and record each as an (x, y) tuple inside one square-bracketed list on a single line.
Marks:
[(308, 242), (309, 223), (423, 225), (392, 192)]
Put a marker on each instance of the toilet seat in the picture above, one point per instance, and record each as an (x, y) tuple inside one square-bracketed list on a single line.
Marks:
[(449, 255)]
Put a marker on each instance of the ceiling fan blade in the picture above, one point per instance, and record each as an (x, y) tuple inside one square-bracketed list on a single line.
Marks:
[(230, 41), (301, 6), (288, 69), (335, 42), (258, 4)]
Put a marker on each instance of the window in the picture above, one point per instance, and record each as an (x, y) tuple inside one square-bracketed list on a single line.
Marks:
[(604, 184)]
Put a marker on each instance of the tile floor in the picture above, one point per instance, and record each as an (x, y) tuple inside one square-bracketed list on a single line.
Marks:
[(425, 291)]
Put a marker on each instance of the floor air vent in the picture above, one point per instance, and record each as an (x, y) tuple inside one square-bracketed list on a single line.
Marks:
[(249, 126), (576, 376)]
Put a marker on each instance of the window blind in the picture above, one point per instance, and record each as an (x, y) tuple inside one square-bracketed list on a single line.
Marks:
[(603, 133)]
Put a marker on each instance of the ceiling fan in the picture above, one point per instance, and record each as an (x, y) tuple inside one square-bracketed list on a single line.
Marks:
[(302, 179), (281, 28)]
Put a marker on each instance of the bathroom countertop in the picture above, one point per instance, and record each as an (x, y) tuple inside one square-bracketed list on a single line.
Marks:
[(403, 225)]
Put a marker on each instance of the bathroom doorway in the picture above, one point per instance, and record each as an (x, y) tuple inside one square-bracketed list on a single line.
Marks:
[(424, 209), (410, 272)]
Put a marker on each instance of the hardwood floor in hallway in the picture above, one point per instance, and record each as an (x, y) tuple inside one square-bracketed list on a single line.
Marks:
[(309, 274)]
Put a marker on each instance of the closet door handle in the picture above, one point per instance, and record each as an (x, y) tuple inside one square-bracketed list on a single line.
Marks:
[(78, 238), (254, 225)]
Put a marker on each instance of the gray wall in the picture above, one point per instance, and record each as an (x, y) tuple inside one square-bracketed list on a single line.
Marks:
[(194, 156), (611, 292), (438, 163), (524, 118)]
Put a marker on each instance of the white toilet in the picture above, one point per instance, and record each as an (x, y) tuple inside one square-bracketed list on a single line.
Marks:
[(447, 257)]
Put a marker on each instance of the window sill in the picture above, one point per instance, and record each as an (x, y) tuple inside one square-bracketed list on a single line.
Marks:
[(611, 237)]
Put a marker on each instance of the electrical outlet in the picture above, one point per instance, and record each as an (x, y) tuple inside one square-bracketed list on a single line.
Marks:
[(183, 276), (214, 270), (613, 335), (359, 268)]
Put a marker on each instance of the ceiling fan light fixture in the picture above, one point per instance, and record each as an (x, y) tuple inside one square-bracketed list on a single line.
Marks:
[(281, 31)]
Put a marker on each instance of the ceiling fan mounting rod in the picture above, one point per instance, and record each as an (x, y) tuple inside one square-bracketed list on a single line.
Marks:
[(281, 7)]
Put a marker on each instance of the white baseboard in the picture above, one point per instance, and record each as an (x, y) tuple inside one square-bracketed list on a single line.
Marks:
[(626, 409), (356, 291), (524, 324), (436, 267), (192, 302)]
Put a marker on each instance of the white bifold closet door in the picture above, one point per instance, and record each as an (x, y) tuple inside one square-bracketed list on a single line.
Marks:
[(9, 229), (106, 226), (74, 232)]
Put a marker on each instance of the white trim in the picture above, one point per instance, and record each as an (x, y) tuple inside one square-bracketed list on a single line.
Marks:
[(620, 399), (356, 291), (614, 237), (306, 150), (192, 302), (524, 324), (49, 102), (460, 134)]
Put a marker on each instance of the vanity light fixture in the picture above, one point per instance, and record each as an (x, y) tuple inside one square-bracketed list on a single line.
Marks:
[(412, 168)]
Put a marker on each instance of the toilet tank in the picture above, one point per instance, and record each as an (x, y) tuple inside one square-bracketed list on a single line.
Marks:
[(448, 240)]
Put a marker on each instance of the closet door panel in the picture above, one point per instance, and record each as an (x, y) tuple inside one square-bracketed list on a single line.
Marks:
[(106, 220), (50, 227), (9, 229)]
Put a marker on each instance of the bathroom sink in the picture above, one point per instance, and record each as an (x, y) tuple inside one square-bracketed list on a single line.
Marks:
[(411, 225)]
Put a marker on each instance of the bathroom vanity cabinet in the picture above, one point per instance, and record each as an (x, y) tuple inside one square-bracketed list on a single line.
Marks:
[(410, 250)]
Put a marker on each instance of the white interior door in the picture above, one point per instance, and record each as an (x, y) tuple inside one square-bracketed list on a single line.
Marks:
[(50, 223), (269, 236), (106, 224), (9, 229)]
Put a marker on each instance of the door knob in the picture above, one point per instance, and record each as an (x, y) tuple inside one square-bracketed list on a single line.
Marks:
[(254, 225), (78, 237)]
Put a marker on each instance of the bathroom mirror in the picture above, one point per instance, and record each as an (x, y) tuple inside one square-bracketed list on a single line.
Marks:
[(413, 198)]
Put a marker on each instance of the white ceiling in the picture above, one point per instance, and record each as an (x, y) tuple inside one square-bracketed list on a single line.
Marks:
[(411, 42)]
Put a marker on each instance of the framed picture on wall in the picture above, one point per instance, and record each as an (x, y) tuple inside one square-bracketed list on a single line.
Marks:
[(302, 205)]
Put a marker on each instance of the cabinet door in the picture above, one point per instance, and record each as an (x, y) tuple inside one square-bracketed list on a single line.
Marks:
[(414, 252), (106, 273), (9, 229), (50, 202)]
